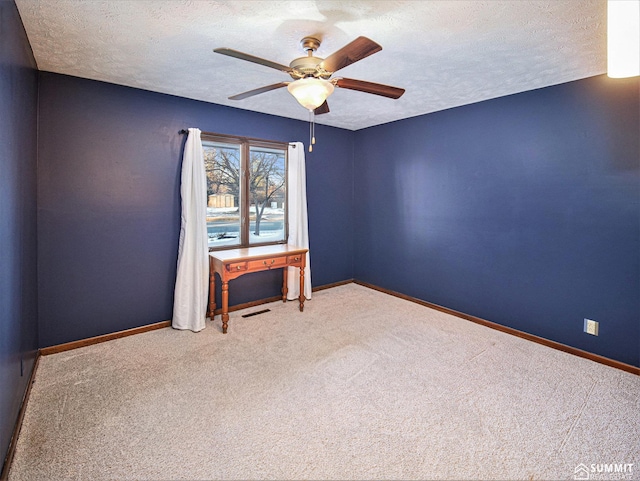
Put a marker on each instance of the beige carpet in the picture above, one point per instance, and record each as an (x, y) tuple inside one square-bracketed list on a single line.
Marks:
[(361, 385)]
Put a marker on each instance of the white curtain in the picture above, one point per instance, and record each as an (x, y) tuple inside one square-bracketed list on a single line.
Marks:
[(192, 278), (298, 226)]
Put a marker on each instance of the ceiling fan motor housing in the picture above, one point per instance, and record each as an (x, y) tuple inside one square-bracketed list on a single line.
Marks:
[(308, 67)]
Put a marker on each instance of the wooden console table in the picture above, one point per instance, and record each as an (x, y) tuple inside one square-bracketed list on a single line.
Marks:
[(233, 263)]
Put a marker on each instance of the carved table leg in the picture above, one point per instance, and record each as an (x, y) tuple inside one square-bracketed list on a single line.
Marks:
[(301, 298), (285, 289), (225, 305), (211, 312)]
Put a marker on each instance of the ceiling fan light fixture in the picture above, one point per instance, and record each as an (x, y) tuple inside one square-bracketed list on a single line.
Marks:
[(310, 92)]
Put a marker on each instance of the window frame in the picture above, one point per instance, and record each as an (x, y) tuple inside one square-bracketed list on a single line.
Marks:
[(245, 144)]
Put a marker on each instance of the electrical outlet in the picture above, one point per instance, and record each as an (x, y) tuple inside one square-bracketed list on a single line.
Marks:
[(591, 327)]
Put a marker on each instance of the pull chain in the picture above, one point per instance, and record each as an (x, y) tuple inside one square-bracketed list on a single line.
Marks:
[(313, 129), (312, 139)]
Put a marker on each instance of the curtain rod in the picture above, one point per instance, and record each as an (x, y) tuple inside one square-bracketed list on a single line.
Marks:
[(184, 131)]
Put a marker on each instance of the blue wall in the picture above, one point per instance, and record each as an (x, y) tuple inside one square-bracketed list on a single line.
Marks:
[(109, 203), (18, 295), (523, 210)]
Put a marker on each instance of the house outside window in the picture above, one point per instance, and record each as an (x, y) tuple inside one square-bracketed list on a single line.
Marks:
[(246, 191)]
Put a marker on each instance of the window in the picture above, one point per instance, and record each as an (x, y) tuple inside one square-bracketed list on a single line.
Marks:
[(246, 191)]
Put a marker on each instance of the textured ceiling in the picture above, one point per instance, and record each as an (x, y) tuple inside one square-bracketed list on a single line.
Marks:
[(444, 53)]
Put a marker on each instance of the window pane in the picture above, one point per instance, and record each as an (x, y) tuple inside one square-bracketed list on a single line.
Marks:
[(222, 164), (267, 195)]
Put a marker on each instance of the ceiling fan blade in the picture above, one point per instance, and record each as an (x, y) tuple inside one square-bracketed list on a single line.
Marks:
[(323, 109), (370, 87), (360, 48), (252, 58), (261, 90)]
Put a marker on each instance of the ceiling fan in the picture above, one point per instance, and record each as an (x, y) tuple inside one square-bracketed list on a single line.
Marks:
[(312, 82)]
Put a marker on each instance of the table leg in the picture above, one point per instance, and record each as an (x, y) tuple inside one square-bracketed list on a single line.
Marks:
[(225, 305), (285, 289), (301, 298), (211, 312)]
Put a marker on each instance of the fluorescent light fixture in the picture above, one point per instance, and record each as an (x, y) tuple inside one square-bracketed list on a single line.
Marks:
[(623, 38), (310, 92)]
